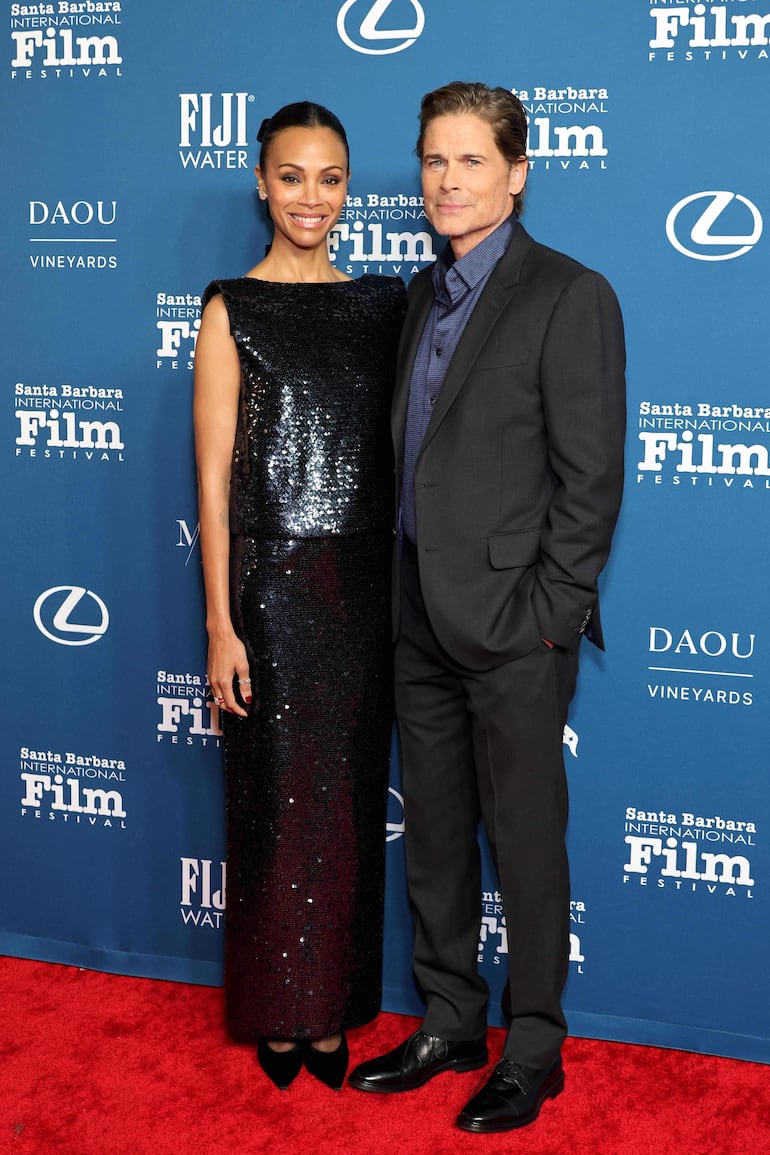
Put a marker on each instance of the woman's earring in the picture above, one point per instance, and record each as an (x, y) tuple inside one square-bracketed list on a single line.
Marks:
[(262, 193)]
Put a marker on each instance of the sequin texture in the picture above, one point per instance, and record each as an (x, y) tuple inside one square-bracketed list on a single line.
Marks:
[(306, 772)]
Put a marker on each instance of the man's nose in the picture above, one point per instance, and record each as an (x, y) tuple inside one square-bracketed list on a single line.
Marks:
[(451, 176)]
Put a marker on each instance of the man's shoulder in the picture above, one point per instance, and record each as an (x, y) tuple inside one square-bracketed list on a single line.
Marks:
[(538, 255), (542, 261)]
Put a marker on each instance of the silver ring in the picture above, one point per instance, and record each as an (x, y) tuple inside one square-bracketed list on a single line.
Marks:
[(219, 701), (243, 681)]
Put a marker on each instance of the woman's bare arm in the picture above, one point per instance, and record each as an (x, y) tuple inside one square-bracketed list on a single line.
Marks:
[(215, 411)]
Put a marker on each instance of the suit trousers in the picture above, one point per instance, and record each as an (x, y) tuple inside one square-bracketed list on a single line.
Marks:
[(485, 746)]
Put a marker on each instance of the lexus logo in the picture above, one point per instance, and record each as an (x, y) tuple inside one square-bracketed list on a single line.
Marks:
[(367, 33), (394, 829), (71, 615), (695, 233)]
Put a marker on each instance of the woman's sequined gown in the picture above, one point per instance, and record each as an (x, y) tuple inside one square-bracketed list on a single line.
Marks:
[(306, 773)]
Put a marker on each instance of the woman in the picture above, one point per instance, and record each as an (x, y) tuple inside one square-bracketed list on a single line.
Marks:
[(293, 377)]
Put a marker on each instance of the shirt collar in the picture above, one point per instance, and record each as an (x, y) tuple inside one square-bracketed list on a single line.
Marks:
[(452, 278)]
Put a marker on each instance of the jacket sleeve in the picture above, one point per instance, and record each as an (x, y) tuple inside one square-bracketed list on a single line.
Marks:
[(583, 392)]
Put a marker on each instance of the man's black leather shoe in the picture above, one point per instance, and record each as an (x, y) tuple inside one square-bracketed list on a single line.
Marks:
[(416, 1060), (511, 1097)]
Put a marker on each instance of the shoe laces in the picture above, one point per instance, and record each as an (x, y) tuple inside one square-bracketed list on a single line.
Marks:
[(512, 1072)]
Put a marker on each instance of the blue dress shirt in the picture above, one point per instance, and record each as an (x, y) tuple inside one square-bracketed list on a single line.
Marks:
[(457, 286)]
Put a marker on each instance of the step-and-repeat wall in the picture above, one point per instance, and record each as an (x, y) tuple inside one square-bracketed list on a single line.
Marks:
[(128, 147)]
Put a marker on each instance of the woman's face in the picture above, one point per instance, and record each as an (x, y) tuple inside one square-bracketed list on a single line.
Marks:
[(305, 178)]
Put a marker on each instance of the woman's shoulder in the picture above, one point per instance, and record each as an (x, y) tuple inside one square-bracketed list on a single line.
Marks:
[(389, 291), (226, 286), (379, 283), (236, 293)]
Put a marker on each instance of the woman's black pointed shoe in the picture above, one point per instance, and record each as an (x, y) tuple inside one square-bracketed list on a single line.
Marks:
[(329, 1067), (282, 1067)]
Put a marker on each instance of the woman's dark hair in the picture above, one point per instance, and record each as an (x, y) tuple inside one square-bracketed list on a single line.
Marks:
[(302, 114)]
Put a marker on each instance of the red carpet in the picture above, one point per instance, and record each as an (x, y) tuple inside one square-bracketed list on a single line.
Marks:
[(94, 1064)]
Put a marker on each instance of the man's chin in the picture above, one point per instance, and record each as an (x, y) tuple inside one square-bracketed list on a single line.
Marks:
[(444, 227)]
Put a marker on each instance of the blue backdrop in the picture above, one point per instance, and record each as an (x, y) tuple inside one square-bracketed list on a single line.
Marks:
[(128, 138)]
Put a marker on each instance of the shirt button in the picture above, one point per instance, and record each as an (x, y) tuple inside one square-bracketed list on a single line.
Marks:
[(438, 352), (433, 400)]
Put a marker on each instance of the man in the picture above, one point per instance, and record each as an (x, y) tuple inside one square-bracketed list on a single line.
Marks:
[(508, 425)]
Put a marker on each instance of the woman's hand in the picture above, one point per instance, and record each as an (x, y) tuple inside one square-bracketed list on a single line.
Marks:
[(228, 663)]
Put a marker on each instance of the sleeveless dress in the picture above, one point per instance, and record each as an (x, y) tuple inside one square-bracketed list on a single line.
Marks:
[(306, 772)]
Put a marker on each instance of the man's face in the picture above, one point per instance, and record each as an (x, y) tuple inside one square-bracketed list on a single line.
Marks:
[(467, 183)]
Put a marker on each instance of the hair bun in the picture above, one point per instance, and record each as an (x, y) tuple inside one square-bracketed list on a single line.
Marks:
[(263, 128)]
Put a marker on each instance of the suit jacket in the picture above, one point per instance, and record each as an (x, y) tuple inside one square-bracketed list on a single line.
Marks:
[(519, 478)]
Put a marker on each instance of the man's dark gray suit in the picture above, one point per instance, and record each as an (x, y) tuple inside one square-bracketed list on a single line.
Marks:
[(517, 490)]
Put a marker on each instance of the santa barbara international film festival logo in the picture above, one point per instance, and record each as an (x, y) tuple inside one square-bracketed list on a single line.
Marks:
[(704, 446), (66, 422), (188, 714), (684, 852), (564, 127), (84, 790), (177, 323), (380, 27), (382, 233), (73, 236), (65, 40), (695, 667), (715, 31)]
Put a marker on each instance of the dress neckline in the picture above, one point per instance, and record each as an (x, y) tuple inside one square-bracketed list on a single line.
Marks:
[(307, 284)]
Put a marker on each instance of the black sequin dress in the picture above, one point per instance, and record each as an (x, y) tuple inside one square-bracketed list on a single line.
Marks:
[(306, 773)]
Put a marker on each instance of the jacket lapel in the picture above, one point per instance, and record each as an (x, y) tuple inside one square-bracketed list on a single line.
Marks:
[(502, 284), (420, 302)]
